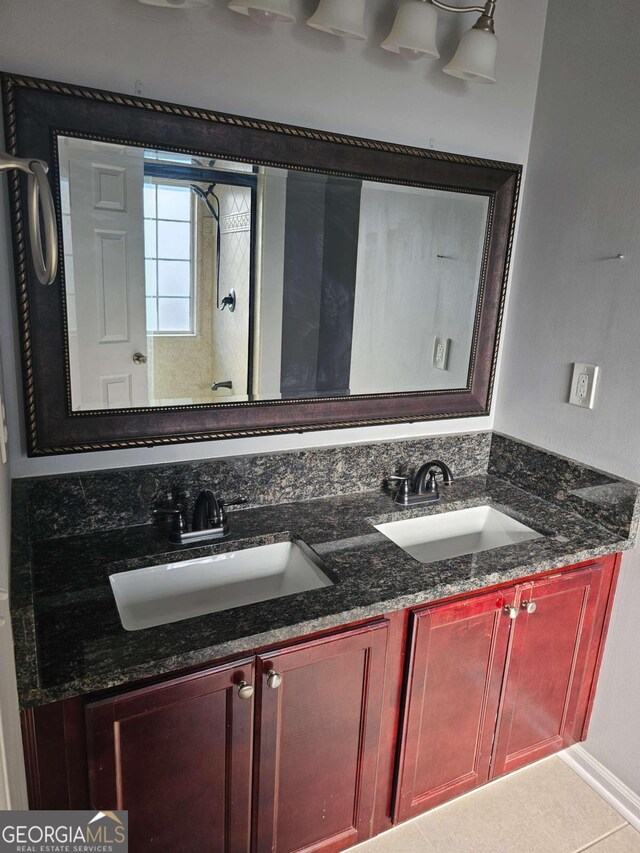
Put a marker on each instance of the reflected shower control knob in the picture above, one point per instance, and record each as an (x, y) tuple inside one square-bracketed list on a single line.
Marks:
[(229, 302)]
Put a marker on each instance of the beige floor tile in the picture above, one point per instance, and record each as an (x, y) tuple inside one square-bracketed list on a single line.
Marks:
[(404, 839), (487, 821), (625, 840), (554, 797), (546, 808)]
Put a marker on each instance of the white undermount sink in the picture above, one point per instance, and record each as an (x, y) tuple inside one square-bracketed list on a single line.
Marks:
[(453, 534), (157, 595)]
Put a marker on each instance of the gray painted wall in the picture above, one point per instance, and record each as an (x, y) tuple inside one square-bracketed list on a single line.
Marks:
[(215, 58), (569, 302)]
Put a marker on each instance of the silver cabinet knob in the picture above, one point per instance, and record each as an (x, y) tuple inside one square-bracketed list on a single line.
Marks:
[(139, 358), (529, 606), (245, 691), (512, 612), (274, 679)]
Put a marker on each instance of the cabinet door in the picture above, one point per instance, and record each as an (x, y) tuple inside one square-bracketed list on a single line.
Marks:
[(546, 665), (317, 746), (455, 674), (178, 757)]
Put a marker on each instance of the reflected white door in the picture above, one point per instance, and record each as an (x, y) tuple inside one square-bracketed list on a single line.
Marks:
[(104, 236)]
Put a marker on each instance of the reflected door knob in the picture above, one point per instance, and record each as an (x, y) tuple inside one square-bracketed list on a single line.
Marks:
[(512, 612), (274, 679), (139, 358), (529, 606), (245, 691)]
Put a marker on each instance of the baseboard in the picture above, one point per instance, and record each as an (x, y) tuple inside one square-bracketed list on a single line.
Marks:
[(610, 788)]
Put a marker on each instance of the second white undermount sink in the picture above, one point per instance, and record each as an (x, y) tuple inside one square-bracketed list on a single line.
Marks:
[(454, 534), (158, 595)]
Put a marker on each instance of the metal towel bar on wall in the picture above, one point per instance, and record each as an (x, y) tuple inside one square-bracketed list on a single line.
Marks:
[(44, 254)]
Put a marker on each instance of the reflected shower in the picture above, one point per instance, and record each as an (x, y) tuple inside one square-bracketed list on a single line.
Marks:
[(206, 196)]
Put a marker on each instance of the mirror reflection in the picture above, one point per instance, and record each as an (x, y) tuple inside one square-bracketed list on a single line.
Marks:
[(193, 281)]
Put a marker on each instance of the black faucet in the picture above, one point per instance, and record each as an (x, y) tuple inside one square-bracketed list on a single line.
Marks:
[(424, 488), (425, 479), (207, 512), (209, 518)]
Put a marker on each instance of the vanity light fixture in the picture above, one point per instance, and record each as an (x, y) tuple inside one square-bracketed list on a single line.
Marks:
[(413, 36), (340, 18), (264, 11), (475, 58)]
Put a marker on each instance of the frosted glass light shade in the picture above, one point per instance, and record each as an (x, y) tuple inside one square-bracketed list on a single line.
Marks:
[(177, 4), (475, 58), (264, 11), (340, 18), (413, 34)]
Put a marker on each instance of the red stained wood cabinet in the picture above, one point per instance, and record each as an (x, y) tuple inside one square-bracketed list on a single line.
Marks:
[(317, 743), (456, 667), (344, 732), (177, 756), (498, 681), (187, 758), (546, 666)]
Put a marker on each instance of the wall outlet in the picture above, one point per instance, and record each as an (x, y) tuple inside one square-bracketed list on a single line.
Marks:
[(583, 385), (441, 353)]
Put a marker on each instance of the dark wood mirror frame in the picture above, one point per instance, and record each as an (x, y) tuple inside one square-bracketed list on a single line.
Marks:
[(36, 111)]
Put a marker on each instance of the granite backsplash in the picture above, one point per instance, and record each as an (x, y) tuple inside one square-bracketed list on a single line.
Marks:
[(72, 504), (601, 498)]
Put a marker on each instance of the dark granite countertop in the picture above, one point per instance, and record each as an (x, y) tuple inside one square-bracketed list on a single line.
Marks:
[(69, 639)]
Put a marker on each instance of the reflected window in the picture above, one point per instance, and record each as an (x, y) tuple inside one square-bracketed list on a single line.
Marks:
[(168, 250)]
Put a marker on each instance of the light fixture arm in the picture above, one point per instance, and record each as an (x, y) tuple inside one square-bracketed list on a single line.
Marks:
[(484, 22), (488, 9)]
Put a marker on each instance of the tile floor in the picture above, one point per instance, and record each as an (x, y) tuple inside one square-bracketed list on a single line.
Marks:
[(546, 808)]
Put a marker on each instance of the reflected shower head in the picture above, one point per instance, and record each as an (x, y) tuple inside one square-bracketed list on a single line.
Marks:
[(206, 196)]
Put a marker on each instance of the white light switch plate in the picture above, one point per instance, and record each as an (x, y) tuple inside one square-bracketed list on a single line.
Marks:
[(583, 385), (441, 353)]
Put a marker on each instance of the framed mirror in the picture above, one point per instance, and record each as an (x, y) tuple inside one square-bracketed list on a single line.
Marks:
[(222, 276)]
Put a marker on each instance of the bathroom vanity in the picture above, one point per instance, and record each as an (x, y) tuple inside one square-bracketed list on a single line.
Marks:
[(315, 720), (317, 738)]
